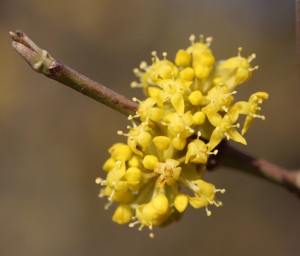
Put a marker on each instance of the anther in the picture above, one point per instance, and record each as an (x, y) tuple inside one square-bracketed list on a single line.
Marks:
[(132, 224), (217, 203), (240, 51), (251, 57), (101, 195), (192, 39), (154, 54), (134, 84), (213, 153), (198, 135), (106, 206), (136, 71), (222, 191), (98, 180), (208, 212), (143, 65), (209, 41), (258, 116), (254, 68), (141, 227)]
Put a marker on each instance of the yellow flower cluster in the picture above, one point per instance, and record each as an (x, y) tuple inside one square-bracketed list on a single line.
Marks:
[(188, 111)]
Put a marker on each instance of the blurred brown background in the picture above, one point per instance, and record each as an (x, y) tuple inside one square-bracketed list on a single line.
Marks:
[(55, 140)]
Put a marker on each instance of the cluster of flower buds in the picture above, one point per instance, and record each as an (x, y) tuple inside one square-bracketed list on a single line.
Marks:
[(189, 109)]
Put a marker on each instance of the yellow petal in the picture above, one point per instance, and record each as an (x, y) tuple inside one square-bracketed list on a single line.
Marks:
[(178, 102)]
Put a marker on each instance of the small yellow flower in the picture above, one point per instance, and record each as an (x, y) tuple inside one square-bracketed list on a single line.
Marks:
[(251, 109), (226, 127), (148, 110), (169, 172), (204, 195), (196, 152), (235, 70), (189, 109)]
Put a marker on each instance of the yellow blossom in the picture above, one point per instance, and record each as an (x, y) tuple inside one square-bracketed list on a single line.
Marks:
[(189, 109), (197, 152), (251, 109), (226, 127), (235, 70), (169, 172)]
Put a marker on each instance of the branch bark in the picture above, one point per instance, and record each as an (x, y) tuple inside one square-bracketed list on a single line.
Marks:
[(261, 168), (41, 61)]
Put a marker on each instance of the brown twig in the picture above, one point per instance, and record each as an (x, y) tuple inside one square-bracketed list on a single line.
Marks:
[(238, 160), (42, 62)]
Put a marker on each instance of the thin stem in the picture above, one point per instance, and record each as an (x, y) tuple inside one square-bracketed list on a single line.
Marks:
[(42, 62), (261, 168)]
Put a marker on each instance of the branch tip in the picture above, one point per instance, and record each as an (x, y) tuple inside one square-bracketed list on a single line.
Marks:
[(41, 61)]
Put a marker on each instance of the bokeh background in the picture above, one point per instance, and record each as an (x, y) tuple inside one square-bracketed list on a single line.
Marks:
[(53, 140)]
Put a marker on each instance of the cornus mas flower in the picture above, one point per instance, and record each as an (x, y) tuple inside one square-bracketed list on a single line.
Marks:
[(189, 110)]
